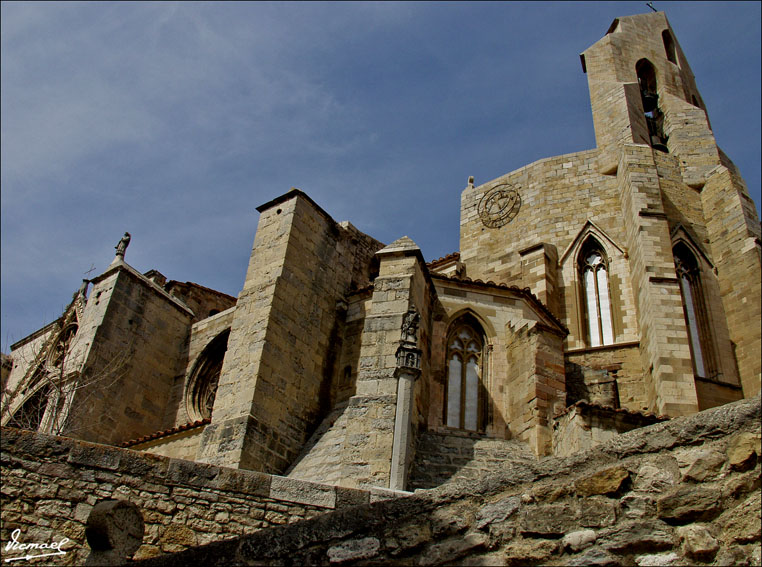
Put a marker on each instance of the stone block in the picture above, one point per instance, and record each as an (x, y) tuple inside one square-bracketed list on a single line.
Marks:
[(742, 523), (698, 542), (594, 557), (703, 464), (579, 540), (177, 538), (597, 512), (633, 536), (530, 551), (744, 451), (659, 560), (94, 456), (653, 479), (497, 511), (609, 482), (688, 504), (450, 550), (353, 550), (302, 492), (548, 520)]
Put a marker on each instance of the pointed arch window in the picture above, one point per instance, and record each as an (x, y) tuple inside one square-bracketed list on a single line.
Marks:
[(465, 361), (694, 309), (594, 276), (30, 414)]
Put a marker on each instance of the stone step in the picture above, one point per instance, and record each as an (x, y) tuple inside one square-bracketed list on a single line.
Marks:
[(447, 457), (320, 460)]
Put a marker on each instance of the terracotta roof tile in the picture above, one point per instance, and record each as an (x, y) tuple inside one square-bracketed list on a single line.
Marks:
[(444, 259), (166, 432)]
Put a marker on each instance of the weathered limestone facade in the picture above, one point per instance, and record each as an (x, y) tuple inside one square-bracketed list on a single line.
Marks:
[(591, 291)]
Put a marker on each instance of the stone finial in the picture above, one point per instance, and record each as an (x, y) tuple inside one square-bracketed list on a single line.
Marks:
[(114, 532), (121, 247), (83, 288), (470, 180)]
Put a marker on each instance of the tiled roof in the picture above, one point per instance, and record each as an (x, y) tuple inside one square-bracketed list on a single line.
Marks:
[(166, 432), (526, 292), (174, 283), (443, 260)]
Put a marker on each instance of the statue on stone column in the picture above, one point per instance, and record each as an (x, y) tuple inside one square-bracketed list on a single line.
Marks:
[(410, 325), (123, 244)]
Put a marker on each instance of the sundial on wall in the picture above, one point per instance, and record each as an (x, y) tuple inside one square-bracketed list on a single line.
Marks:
[(499, 205)]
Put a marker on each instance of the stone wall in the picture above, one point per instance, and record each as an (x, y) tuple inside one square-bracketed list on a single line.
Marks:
[(50, 485), (137, 347), (736, 244), (202, 334), (620, 363), (584, 425), (664, 343), (203, 301), (180, 445), (276, 379), (682, 492), (451, 455), (523, 366)]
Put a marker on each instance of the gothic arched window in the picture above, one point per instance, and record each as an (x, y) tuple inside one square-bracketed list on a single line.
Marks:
[(694, 309), (464, 398), (594, 276), (60, 349), (202, 387), (29, 415)]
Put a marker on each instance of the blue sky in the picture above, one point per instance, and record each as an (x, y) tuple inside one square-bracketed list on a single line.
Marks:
[(175, 120)]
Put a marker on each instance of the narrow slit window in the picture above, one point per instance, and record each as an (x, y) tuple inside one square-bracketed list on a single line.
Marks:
[(669, 46)]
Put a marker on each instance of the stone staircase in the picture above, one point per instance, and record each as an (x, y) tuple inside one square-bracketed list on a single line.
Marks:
[(448, 456), (320, 460)]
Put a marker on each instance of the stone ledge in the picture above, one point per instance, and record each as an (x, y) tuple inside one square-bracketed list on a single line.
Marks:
[(412, 530), (166, 471)]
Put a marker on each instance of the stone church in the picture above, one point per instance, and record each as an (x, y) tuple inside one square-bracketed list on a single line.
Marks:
[(593, 293)]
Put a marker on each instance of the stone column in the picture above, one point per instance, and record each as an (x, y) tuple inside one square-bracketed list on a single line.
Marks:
[(408, 370), (378, 445)]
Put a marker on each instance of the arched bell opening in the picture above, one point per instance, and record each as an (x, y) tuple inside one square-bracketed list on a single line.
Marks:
[(650, 98)]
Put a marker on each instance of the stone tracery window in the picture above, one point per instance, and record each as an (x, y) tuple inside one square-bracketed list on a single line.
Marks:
[(29, 415), (60, 349), (694, 309), (594, 276), (205, 377), (464, 398)]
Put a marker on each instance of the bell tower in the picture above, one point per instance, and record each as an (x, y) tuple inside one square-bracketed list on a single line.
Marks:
[(643, 91), (674, 183)]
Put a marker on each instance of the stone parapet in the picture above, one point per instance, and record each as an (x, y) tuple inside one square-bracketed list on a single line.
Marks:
[(681, 492), (50, 485)]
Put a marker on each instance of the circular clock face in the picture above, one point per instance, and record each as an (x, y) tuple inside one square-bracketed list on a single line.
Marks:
[(499, 206)]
